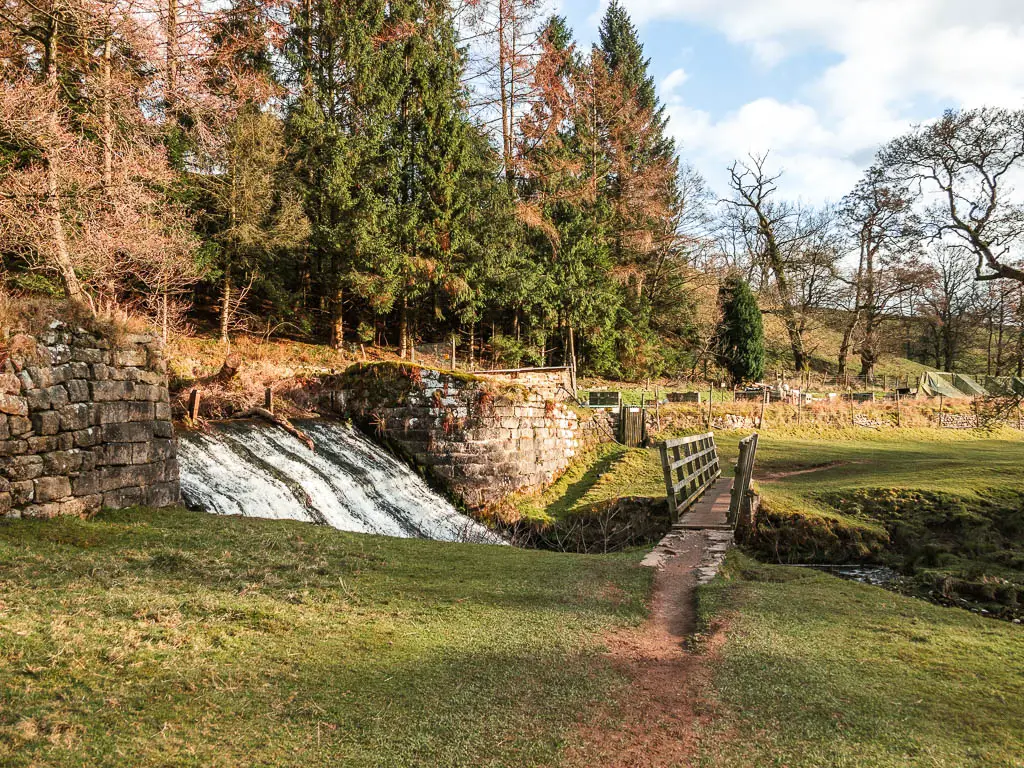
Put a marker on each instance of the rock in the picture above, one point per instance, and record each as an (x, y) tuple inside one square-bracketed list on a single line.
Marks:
[(9, 384), (46, 423), (78, 390), (129, 357), (128, 433), (13, 405), (75, 416), (52, 488), (19, 425)]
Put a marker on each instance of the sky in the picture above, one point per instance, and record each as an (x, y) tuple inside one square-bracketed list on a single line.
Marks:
[(819, 84)]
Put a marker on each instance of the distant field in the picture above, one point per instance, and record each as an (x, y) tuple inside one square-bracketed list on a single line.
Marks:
[(145, 638)]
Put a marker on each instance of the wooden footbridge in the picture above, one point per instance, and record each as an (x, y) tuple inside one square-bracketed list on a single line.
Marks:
[(699, 498)]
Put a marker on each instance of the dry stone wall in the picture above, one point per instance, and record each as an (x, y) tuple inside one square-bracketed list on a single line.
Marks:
[(480, 439), (84, 423)]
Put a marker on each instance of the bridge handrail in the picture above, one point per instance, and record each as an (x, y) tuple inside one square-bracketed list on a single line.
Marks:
[(690, 466), (739, 502)]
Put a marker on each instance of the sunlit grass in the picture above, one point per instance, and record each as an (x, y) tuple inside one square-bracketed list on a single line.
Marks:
[(816, 671), (146, 638)]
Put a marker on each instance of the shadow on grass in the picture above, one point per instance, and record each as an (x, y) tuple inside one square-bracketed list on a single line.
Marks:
[(578, 489)]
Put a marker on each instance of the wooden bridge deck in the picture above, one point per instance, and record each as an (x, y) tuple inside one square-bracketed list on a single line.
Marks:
[(711, 512)]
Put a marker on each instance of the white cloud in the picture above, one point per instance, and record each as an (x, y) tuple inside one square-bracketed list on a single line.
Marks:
[(673, 82), (892, 55)]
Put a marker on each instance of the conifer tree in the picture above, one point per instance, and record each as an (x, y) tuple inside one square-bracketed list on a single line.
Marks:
[(346, 63), (740, 342)]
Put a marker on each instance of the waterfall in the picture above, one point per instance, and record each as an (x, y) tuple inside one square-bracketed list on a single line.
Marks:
[(258, 470)]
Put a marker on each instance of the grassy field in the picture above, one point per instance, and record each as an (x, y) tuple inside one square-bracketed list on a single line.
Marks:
[(944, 508), (815, 671), (145, 638)]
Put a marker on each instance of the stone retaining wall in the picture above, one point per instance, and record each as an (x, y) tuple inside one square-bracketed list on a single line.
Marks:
[(958, 421), (549, 383), (480, 439), (84, 423)]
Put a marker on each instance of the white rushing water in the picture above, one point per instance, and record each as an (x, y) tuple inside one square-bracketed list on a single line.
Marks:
[(349, 482)]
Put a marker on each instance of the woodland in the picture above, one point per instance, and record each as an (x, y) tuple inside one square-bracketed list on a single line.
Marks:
[(407, 172)]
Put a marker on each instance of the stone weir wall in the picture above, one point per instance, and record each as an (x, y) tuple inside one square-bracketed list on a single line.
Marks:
[(84, 423), (479, 437)]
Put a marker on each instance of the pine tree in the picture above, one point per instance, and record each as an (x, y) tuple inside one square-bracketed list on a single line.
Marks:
[(346, 62), (740, 342), (561, 205), (624, 56), (431, 146)]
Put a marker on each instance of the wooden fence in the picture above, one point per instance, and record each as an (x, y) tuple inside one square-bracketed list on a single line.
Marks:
[(690, 465)]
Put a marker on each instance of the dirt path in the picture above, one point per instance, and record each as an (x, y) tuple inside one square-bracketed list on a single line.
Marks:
[(653, 725), (772, 476)]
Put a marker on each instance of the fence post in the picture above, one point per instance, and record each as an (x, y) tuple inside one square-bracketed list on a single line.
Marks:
[(764, 399), (670, 494), (193, 404), (657, 408), (899, 414), (711, 392), (268, 399)]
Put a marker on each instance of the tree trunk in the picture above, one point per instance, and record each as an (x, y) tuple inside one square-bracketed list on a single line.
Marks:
[(165, 313), (844, 347), (172, 51), (867, 350), (572, 360), (51, 164), (789, 316), (337, 321), (403, 329), (503, 96), (107, 122), (988, 361), (225, 307)]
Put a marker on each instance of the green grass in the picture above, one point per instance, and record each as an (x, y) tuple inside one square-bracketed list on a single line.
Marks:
[(609, 472), (159, 638), (946, 509), (816, 671)]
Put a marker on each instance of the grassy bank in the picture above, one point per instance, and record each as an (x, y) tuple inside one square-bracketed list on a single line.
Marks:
[(815, 671), (608, 472), (145, 638), (946, 509)]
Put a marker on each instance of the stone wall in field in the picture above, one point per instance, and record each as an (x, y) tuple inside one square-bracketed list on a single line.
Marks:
[(85, 422), (479, 437)]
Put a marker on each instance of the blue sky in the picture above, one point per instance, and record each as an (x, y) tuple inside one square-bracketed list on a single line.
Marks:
[(818, 83)]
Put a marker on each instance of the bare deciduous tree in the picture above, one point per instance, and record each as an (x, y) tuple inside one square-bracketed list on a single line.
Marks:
[(879, 215), (794, 249), (963, 165)]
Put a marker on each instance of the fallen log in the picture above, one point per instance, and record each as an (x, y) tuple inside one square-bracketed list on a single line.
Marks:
[(280, 421)]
